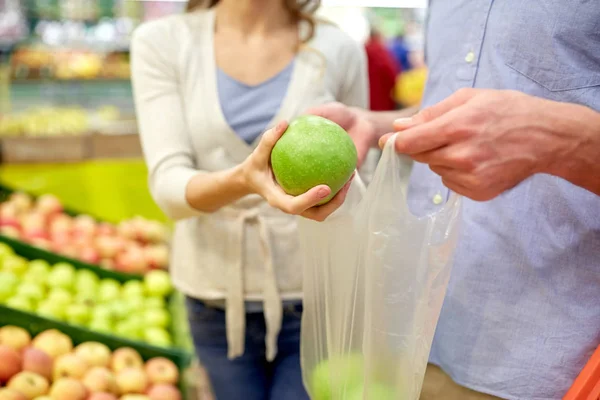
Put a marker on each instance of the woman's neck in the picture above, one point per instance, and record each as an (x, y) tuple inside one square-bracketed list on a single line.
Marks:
[(252, 17)]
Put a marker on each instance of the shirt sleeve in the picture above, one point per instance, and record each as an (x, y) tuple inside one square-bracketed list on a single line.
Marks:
[(355, 82), (161, 122)]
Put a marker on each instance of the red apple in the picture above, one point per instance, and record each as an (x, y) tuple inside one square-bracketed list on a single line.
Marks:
[(162, 370), (132, 380), (69, 251), (68, 389), (11, 364), (107, 263), (33, 224), (125, 357), (132, 260), (15, 337), (89, 255), (10, 231), (53, 342), (109, 246), (30, 384), (11, 394), (61, 224), (94, 354), (84, 225), (35, 360), (106, 229), (127, 230), (48, 204), (9, 215), (40, 242), (101, 396), (22, 201), (157, 256), (164, 391), (70, 366), (100, 379)]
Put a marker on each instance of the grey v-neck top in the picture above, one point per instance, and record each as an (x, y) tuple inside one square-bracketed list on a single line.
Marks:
[(248, 109)]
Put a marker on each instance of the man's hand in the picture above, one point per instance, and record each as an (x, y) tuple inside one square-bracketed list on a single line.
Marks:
[(360, 129), (484, 142)]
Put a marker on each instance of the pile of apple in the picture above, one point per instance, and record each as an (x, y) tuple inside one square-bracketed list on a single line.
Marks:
[(134, 246), (134, 310), (50, 368)]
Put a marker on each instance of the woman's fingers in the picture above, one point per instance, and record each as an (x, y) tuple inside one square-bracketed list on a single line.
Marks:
[(321, 213), (297, 204), (268, 141)]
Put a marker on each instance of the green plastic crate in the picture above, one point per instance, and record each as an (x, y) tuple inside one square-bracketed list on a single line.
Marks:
[(35, 324), (174, 303)]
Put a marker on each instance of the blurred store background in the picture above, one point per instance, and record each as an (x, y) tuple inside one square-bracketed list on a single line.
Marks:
[(68, 133)]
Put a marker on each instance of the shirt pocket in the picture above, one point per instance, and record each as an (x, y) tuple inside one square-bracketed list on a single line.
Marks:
[(555, 43)]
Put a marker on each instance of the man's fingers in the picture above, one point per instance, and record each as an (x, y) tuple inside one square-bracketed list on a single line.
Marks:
[(431, 135), (428, 114), (384, 139), (269, 139)]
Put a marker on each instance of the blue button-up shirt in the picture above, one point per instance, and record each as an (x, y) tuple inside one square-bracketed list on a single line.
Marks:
[(522, 312)]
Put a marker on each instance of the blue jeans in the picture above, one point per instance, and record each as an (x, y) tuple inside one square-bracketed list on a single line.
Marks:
[(251, 376)]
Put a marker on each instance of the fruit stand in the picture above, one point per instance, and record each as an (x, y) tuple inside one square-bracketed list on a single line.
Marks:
[(53, 284)]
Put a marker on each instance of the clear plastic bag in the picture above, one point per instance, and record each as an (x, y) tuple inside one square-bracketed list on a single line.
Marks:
[(375, 277)]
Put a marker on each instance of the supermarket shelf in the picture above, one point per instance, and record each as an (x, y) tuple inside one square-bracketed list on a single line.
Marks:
[(63, 149)]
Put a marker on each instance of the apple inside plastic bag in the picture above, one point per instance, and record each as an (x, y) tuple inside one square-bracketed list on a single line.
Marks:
[(375, 277)]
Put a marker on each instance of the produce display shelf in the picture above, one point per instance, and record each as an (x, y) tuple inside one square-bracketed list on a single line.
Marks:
[(175, 301), (35, 324)]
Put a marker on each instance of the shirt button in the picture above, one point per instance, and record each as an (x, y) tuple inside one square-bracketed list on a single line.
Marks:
[(437, 199), (470, 57)]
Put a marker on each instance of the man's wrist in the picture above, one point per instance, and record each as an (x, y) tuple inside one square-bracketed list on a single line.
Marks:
[(579, 128)]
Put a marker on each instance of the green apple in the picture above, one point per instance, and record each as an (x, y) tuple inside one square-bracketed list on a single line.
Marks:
[(39, 267), (133, 305), (128, 330), (158, 318), (155, 302), (32, 277), (33, 291), (87, 298), (50, 309), (119, 310), (101, 325), (103, 311), (336, 375), (158, 337), (133, 288), (8, 285), (60, 296), (62, 276), (313, 151), (78, 314), (5, 250), (15, 264), (108, 290), (158, 283), (373, 391), (20, 303), (86, 281)]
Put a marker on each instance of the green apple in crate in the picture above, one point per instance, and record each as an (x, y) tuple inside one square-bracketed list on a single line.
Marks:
[(132, 289), (60, 296), (21, 303), (108, 290), (33, 291), (8, 285), (157, 318), (62, 276), (158, 283), (15, 264), (78, 314), (51, 309)]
